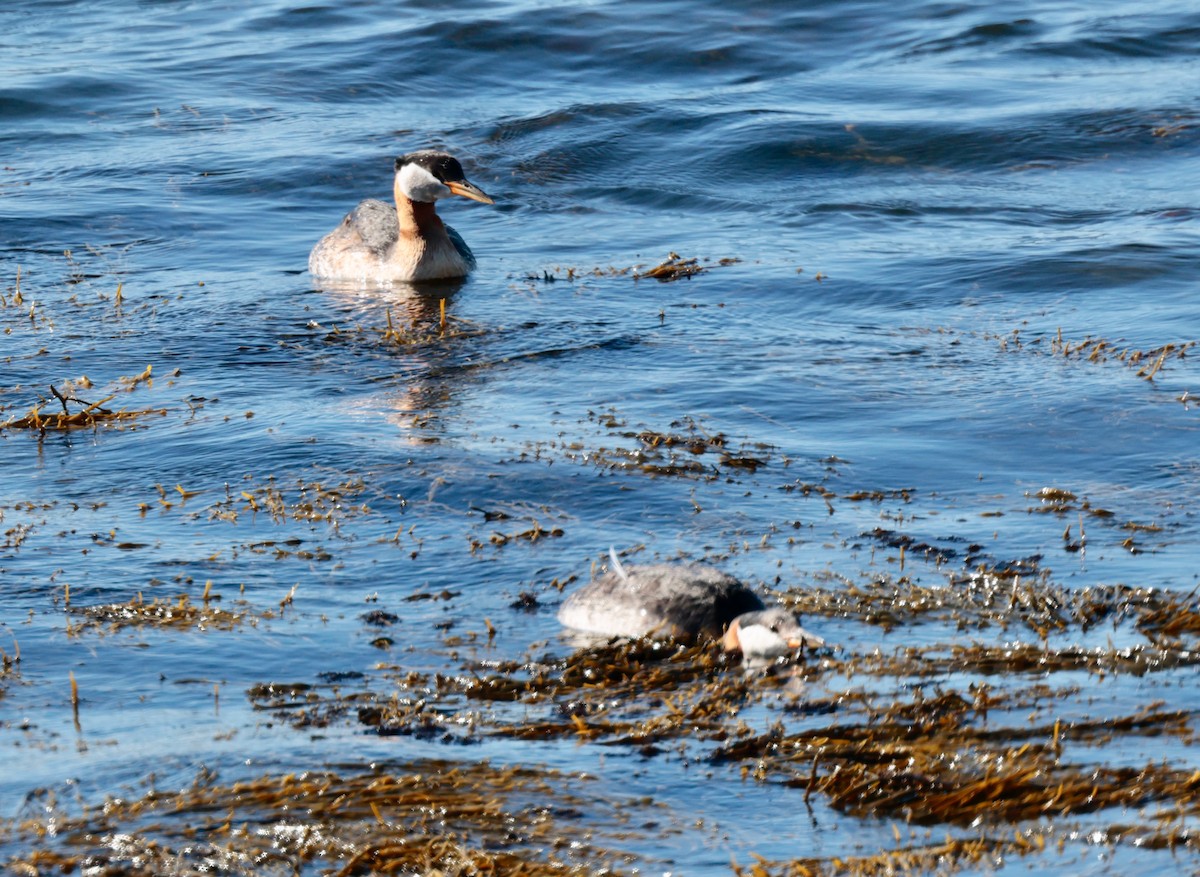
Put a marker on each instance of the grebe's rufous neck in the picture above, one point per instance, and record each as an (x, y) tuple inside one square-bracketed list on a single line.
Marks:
[(378, 242), (688, 601)]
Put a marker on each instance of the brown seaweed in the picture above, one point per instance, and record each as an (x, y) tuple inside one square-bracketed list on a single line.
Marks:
[(179, 613), (427, 817), (90, 416), (673, 268)]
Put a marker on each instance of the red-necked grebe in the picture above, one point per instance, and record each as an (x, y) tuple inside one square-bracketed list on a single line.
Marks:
[(378, 242), (688, 601)]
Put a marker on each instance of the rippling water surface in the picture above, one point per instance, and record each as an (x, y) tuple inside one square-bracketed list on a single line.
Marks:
[(913, 216)]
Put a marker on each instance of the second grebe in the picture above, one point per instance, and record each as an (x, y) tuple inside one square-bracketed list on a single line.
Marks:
[(687, 601), (378, 242)]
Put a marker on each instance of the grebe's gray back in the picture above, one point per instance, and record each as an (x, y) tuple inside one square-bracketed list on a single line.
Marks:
[(687, 601), (408, 241)]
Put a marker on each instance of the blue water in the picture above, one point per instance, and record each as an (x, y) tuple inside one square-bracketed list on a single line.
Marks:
[(919, 198)]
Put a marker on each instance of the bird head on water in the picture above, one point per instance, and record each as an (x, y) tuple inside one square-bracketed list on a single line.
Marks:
[(768, 633), (429, 175)]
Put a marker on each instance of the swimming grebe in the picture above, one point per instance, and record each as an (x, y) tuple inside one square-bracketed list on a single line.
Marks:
[(408, 242), (687, 601)]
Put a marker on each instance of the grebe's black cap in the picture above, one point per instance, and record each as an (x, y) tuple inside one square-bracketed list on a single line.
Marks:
[(446, 170), (443, 166)]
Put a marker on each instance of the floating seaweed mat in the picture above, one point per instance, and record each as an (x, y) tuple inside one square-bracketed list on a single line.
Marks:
[(1010, 658), (455, 818), (990, 597), (642, 665), (935, 726), (941, 858), (644, 691), (179, 613), (656, 451), (689, 452), (1028, 657), (1014, 793), (941, 771), (301, 500), (1172, 619), (93, 414), (635, 692), (982, 602), (87, 418), (675, 267), (961, 853), (1101, 350)]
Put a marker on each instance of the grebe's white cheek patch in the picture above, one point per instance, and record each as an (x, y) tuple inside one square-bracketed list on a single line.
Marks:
[(762, 642), (420, 185)]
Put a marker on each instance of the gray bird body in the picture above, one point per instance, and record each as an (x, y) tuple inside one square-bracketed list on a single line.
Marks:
[(404, 241), (686, 601), (680, 600)]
